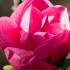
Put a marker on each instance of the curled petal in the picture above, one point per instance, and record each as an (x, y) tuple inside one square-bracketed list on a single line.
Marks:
[(18, 13), (54, 49), (56, 15), (26, 60), (16, 58)]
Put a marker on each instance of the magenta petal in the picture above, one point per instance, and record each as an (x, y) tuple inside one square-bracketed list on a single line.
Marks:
[(26, 60), (54, 50), (37, 64), (18, 59), (55, 15), (42, 4), (8, 32), (35, 20), (31, 41), (54, 28), (4, 41), (52, 11), (28, 14), (31, 19), (18, 13), (9, 28)]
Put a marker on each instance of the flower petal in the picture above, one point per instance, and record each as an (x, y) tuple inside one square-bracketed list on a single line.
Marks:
[(8, 31), (26, 60), (31, 41), (54, 50), (18, 13), (28, 14), (56, 14)]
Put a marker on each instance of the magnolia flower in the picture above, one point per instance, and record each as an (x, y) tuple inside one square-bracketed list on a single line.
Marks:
[(36, 35)]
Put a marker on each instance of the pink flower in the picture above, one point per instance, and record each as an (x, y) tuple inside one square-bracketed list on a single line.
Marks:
[(36, 35)]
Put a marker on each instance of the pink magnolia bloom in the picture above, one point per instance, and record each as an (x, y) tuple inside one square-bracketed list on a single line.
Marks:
[(36, 35)]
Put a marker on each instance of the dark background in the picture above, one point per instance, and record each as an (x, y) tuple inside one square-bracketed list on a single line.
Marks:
[(5, 5)]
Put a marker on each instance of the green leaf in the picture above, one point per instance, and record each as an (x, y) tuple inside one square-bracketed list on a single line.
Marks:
[(66, 64), (8, 67)]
